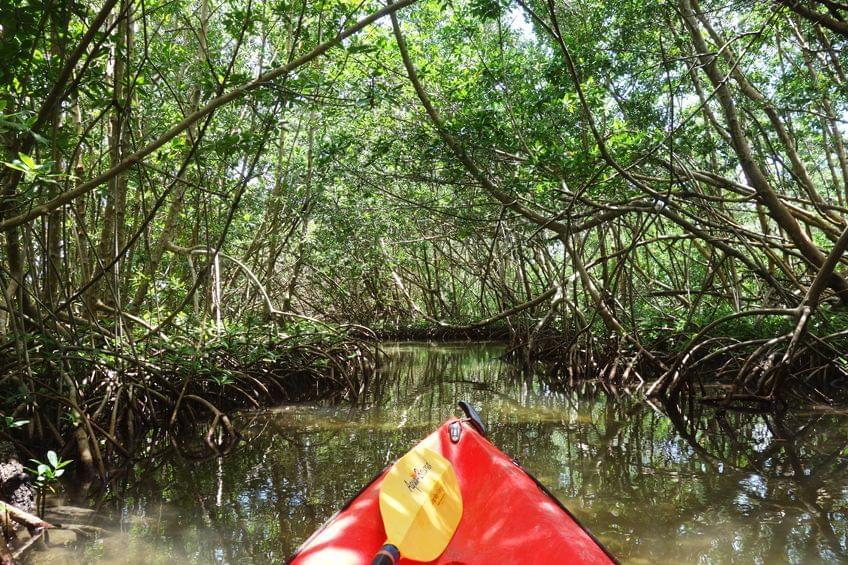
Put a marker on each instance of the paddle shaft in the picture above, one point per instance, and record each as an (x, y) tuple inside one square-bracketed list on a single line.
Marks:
[(387, 555)]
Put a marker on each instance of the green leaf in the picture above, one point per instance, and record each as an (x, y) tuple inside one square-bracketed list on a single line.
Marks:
[(15, 166), (361, 49), (28, 161), (53, 458)]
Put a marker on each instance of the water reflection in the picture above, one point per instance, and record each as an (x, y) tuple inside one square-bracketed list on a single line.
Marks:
[(691, 484)]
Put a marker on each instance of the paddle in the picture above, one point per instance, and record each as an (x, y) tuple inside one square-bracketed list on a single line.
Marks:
[(421, 507)]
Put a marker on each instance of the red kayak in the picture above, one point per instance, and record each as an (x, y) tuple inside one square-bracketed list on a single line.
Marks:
[(508, 516)]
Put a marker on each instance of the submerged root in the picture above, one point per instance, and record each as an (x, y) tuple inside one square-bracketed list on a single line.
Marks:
[(797, 363), (113, 399), (14, 549)]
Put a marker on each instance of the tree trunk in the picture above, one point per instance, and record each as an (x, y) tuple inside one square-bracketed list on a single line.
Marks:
[(753, 172)]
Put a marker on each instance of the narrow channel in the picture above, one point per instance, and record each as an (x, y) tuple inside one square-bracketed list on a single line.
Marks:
[(652, 490)]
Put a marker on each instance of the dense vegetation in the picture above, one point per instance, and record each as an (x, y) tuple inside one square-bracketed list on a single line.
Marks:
[(203, 201)]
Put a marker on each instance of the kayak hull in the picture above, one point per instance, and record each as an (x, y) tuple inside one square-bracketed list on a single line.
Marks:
[(508, 517)]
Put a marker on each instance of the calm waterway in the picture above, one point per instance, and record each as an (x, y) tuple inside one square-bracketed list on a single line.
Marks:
[(698, 487)]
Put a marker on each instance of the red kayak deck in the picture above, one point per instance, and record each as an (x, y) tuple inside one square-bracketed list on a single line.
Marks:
[(507, 516)]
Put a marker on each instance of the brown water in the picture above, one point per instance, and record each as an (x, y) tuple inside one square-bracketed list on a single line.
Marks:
[(703, 487)]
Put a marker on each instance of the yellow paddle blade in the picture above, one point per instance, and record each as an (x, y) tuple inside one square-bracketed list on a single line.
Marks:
[(421, 504)]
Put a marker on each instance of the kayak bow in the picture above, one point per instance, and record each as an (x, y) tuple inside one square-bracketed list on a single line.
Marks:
[(507, 516)]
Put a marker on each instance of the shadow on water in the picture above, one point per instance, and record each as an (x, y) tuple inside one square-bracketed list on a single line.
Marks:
[(655, 484)]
